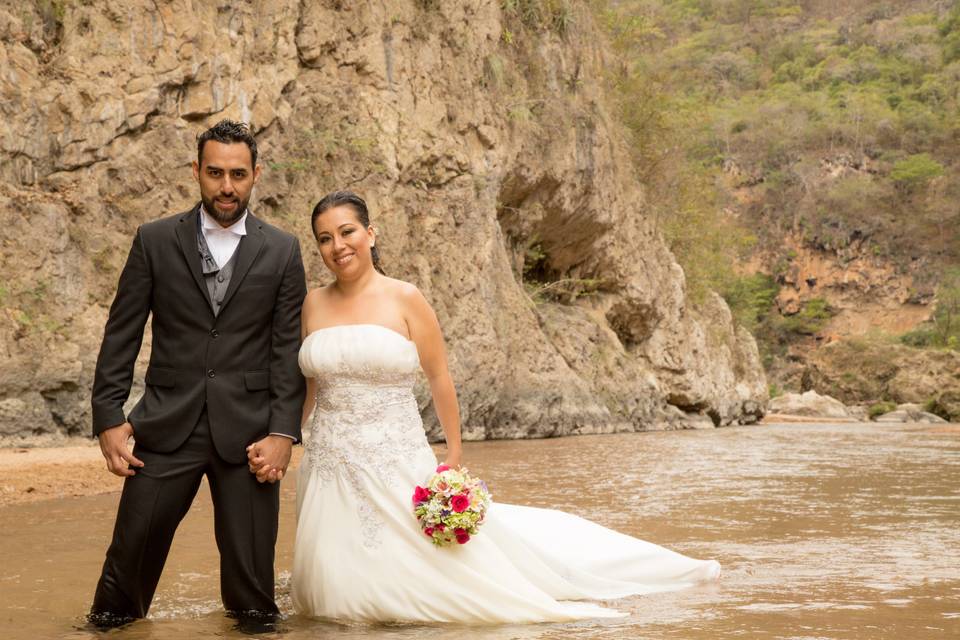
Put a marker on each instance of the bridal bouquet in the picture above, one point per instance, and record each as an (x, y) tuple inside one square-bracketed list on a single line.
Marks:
[(452, 506)]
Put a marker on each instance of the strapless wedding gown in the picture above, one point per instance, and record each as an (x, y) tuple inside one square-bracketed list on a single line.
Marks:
[(359, 553)]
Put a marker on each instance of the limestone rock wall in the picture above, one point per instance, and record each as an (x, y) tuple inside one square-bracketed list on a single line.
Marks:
[(493, 168)]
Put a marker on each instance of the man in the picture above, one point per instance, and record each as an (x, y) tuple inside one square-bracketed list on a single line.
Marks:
[(225, 290)]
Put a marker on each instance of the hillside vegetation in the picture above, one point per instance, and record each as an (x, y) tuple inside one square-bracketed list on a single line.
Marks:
[(756, 121)]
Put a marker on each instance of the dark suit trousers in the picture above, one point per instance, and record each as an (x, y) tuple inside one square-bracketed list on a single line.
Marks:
[(154, 502)]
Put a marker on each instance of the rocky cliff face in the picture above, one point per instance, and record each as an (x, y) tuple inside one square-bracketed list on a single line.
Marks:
[(861, 370), (480, 139), (872, 297)]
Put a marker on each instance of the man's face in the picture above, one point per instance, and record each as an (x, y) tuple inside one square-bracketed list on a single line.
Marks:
[(226, 176)]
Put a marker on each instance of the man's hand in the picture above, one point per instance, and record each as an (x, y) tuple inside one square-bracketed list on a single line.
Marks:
[(268, 458), (113, 445)]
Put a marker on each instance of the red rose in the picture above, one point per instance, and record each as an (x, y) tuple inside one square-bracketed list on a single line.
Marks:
[(420, 495), (442, 468), (441, 527), (460, 502), (462, 538), (429, 532)]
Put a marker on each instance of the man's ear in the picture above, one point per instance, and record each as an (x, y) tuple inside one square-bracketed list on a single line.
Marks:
[(196, 171), (256, 173)]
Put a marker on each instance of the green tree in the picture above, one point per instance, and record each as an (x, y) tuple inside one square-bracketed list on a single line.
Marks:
[(750, 298), (915, 171)]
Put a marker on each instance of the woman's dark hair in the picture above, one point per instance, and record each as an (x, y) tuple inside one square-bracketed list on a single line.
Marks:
[(355, 202), (228, 132)]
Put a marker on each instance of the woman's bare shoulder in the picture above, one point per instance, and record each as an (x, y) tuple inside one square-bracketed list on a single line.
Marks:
[(404, 291), (316, 297), (316, 294)]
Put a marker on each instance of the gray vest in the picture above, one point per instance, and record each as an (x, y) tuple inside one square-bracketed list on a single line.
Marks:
[(217, 277)]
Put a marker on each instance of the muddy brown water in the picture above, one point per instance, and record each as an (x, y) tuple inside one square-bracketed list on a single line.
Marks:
[(824, 531)]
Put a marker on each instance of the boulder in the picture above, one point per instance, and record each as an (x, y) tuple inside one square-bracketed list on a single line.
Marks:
[(810, 403), (910, 413)]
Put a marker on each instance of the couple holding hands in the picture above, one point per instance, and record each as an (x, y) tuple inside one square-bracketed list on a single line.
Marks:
[(242, 358)]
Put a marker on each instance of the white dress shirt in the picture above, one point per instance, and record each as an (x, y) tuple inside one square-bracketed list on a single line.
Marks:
[(222, 241)]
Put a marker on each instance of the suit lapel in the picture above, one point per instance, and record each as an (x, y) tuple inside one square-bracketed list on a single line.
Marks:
[(187, 237), (247, 253)]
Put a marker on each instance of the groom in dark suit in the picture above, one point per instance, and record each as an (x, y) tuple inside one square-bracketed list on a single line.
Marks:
[(225, 291)]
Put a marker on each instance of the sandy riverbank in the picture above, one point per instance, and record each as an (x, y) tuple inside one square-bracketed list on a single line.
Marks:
[(30, 474), (42, 473)]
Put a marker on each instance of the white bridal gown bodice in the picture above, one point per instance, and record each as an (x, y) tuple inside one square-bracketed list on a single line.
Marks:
[(359, 553)]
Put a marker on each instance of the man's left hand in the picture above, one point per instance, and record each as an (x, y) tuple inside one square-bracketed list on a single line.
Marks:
[(268, 458)]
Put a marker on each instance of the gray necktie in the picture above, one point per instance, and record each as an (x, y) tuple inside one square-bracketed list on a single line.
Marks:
[(207, 263)]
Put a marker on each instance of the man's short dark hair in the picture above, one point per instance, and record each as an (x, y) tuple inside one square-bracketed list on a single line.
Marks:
[(228, 132)]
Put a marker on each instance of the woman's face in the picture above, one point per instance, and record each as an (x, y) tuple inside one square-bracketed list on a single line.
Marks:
[(343, 241)]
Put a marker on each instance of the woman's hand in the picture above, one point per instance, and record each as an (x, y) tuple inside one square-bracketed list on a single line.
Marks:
[(453, 458), (268, 458)]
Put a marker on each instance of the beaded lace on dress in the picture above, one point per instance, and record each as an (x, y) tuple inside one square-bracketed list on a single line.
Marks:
[(365, 419)]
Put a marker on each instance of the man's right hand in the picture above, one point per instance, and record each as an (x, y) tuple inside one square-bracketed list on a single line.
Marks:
[(113, 445)]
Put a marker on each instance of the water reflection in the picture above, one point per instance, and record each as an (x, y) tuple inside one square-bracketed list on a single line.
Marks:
[(824, 531)]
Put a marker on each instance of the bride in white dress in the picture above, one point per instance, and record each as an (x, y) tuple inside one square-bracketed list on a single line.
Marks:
[(359, 552)]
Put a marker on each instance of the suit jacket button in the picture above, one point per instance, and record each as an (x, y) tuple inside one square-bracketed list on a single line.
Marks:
[(214, 333), (211, 373)]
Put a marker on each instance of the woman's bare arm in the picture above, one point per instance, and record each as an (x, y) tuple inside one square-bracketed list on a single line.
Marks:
[(426, 334)]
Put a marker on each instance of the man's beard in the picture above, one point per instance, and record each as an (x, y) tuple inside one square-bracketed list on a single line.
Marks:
[(222, 218)]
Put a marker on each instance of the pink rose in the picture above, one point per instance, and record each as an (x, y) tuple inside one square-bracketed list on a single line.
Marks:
[(460, 502), (442, 468), (420, 495)]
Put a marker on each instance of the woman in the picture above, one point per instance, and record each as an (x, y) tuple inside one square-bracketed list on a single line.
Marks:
[(359, 552)]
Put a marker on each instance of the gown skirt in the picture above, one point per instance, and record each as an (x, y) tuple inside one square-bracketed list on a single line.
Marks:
[(359, 553)]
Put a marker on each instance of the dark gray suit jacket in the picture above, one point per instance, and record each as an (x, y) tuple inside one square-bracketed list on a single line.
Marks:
[(241, 363)]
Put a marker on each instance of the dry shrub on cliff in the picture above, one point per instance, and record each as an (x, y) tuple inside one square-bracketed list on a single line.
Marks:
[(541, 15), (943, 329)]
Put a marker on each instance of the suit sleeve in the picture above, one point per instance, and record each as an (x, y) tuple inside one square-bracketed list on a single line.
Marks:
[(122, 337), (286, 382)]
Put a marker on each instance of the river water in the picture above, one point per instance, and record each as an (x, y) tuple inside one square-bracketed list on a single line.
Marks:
[(824, 531)]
